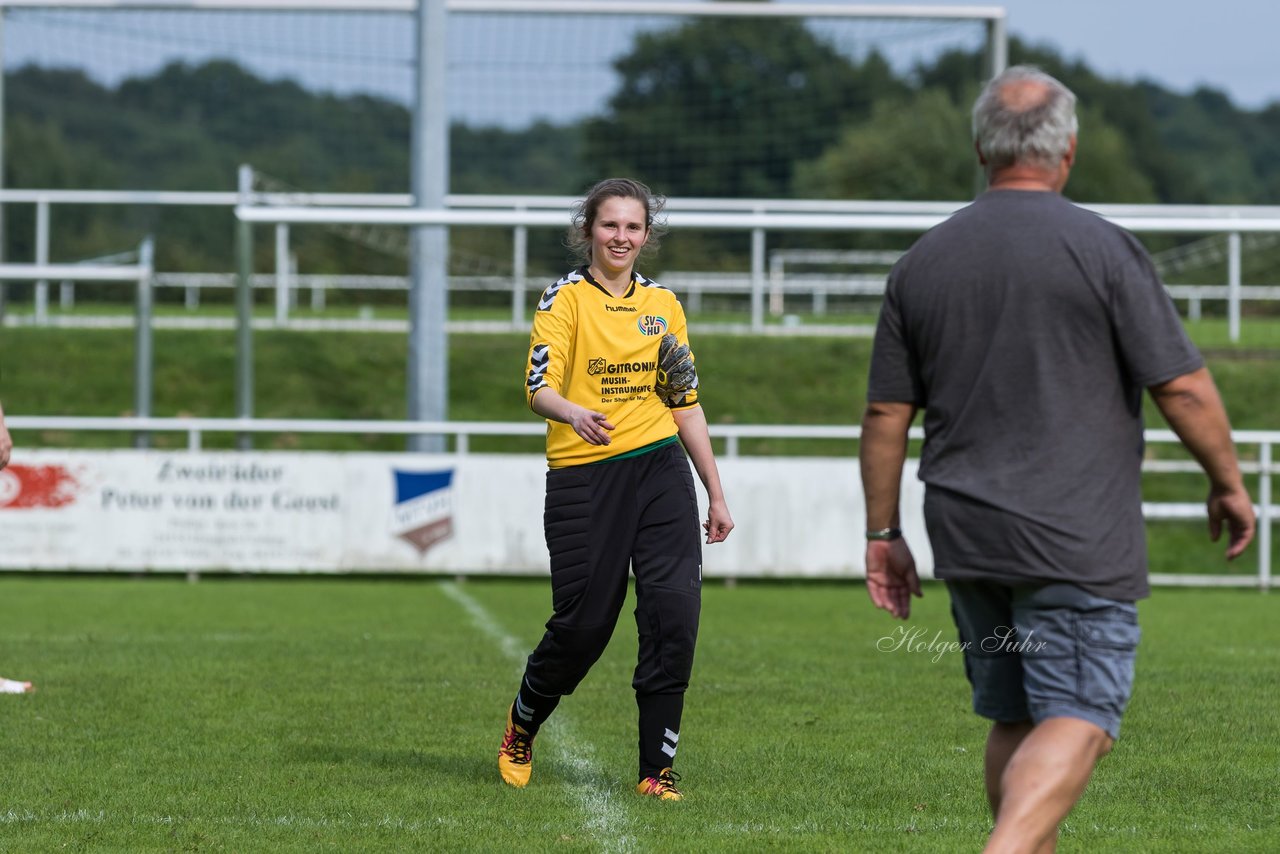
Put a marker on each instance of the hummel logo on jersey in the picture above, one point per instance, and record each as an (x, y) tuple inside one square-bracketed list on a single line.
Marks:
[(549, 295), (650, 283), (539, 358), (630, 308), (652, 324)]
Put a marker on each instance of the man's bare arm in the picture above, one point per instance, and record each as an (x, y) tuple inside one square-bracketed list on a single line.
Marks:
[(1192, 406), (891, 570)]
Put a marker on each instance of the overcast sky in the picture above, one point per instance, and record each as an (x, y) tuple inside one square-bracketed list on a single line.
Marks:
[(1231, 45)]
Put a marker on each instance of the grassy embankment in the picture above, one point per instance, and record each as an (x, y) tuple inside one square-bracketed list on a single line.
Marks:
[(746, 380)]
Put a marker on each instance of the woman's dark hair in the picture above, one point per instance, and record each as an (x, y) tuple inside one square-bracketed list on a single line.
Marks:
[(578, 238)]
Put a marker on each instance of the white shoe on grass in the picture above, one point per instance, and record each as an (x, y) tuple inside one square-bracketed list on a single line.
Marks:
[(12, 686)]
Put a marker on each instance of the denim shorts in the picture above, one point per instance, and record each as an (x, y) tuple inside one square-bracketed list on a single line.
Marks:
[(1045, 651)]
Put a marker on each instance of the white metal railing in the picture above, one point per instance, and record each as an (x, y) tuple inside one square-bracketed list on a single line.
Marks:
[(41, 274), (140, 274), (1264, 466), (758, 221), (757, 216), (562, 204), (691, 285)]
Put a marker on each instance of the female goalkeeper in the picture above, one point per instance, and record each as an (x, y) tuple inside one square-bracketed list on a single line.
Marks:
[(620, 402)]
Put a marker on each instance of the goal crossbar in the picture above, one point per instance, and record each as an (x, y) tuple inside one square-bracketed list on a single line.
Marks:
[(574, 7)]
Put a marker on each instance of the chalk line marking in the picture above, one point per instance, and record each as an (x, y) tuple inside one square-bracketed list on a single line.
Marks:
[(604, 818)]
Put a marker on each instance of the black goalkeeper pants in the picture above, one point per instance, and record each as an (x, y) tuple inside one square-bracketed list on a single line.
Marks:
[(639, 513)]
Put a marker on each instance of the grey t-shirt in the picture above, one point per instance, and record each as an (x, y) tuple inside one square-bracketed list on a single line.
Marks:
[(1027, 329)]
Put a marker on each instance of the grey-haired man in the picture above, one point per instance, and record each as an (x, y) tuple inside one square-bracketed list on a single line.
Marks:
[(1026, 328)]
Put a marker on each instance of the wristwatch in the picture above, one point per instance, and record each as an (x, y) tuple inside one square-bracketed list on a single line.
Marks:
[(885, 534)]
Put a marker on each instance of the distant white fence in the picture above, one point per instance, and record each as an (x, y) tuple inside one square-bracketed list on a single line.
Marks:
[(761, 515), (760, 217), (757, 217), (783, 289)]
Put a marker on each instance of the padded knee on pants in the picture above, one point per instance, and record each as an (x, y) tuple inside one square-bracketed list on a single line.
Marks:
[(564, 656), (671, 619)]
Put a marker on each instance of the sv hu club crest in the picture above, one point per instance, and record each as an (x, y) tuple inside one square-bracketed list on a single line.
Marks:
[(652, 324)]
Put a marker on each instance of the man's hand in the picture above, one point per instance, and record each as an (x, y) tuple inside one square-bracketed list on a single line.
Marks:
[(1192, 406), (891, 576), (1235, 508), (676, 373)]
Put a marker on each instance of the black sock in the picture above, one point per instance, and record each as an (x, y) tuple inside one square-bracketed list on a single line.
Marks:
[(531, 709), (659, 731)]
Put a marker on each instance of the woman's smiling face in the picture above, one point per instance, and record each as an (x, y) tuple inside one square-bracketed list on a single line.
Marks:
[(617, 235)]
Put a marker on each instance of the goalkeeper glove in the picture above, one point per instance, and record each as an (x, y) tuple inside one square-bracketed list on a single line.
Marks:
[(676, 373)]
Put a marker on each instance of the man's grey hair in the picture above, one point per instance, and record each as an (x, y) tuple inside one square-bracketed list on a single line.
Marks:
[(1012, 129)]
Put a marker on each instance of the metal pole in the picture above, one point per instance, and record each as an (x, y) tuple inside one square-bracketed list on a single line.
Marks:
[(282, 273), (1233, 286), (997, 59), (775, 285), (519, 272), (143, 352), (997, 47), (757, 278), (244, 312), (42, 257), (428, 367)]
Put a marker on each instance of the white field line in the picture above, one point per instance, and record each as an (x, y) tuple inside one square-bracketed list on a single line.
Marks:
[(604, 818)]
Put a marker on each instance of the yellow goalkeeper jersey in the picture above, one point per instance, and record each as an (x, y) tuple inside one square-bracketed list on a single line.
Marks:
[(601, 352)]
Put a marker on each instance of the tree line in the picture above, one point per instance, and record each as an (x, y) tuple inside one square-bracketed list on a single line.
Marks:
[(711, 108)]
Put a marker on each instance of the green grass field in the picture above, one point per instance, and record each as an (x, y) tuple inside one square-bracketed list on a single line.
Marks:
[(315, 714), (364, 715)]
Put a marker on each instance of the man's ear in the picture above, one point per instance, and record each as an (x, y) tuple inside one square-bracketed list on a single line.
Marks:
[(982, 158), (1070, 157)]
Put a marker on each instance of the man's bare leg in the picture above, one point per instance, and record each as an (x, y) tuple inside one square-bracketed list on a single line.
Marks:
[(1002, 741), (1042, 779)]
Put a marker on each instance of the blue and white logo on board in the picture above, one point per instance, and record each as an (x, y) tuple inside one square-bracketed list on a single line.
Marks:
[(423, 512)]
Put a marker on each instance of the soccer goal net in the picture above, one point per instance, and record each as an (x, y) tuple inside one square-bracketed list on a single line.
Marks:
[(714, 100), (700, 99)]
